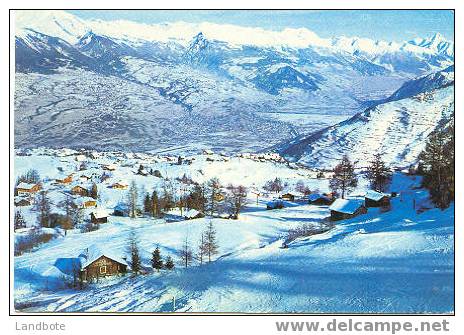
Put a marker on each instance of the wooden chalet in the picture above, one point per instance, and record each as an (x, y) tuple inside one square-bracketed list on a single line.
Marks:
[(99, 216), (343, 209), (27, 188), (65, 179), (96, 263), (319, 199), (120, 185), (80, 190), (288, 197), (121, 210), (376, 199), (85, 202), (109, 167)]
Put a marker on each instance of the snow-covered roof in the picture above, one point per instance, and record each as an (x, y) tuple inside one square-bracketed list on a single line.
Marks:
[(347, 206), (94, 252), (100, 213), (374, 195), (26, 186), (316, 196)]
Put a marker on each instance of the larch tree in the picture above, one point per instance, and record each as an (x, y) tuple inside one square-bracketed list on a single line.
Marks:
[(211, 243), (185, 253), (43, 209), (344, 178), (132, 199)]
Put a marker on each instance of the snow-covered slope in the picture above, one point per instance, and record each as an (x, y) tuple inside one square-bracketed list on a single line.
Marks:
[(393, 262), (397, 129), (279, 84)]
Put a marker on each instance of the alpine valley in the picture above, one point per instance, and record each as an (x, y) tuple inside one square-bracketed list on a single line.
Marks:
[(183, 87)]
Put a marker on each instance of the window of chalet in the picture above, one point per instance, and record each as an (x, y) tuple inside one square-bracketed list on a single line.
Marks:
[(103, 269)]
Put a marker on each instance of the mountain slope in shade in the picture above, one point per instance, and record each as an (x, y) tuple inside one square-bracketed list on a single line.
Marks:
[(398, 130)]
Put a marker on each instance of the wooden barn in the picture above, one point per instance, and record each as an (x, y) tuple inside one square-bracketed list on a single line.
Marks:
[(65, 179), (80, 190), (121, 210), (343, 209), (27, 188), (319, 199), (85, 202), (288, 197), (120, 185), (99, 216), (96, 263), (376, 199)]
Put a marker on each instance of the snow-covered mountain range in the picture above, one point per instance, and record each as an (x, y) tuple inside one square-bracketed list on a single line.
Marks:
[(186, 86), (397, 128)]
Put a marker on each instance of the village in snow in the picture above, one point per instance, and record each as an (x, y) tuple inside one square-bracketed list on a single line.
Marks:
[(105, 231), (194, 167)]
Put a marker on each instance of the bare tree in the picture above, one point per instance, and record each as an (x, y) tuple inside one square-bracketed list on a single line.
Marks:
[(132, 198), (344, 179), (236, 199), (43, 209), (211, 244), (185, 253)]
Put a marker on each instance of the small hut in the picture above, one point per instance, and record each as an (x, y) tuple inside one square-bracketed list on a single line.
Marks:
[(27, 188), (319, 199), (95, 263), (376, 199), (275, 204), (288, 197), (99, 216), (343, 209)]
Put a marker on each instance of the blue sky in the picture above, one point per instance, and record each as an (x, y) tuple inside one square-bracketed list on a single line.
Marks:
[(391, 25)]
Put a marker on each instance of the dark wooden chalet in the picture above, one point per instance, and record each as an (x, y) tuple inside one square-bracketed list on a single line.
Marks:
[(319, 199), (99, 216), (343, 209), (288, 197), (376, 199), (96, 263)]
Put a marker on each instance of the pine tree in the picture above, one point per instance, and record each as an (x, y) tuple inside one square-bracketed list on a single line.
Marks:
[(43, 209), (156, 261), (378, 174), (437, 165), (94, 191), (211, 244), (169, 264), (147, 204), (19, 221), (344, 179), (133, 249)]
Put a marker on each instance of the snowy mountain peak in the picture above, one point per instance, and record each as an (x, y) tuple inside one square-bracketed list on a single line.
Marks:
[(50, 22)]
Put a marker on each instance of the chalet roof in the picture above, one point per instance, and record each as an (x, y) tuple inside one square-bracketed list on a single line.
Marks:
[(83, 200), (94, 252), (26, 186), (317, 196), (374, 195), (347, 206), (100, 213)]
